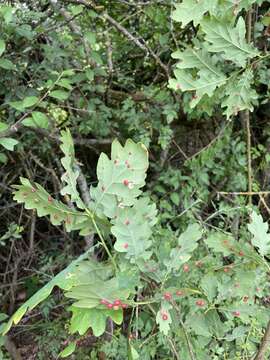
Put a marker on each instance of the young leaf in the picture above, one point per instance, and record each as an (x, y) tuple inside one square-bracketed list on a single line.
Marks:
[(6, 11), (239, 94), (261, 237), (3, 126), (29, 101), (37, 119), (187, 243), (163, 318), (220, 242), (7, 64), (205, 84), (119, 178), (89, 294), (65, 280), (34, 196), (71, 175), (132, 229), (228, 40), (192, 10), (59, 94), (68, 350), (83, 319), (2, 46), (8, 143)]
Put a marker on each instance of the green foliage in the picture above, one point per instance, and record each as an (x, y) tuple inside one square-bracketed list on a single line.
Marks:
[(228, 40), (174, 268), (100, 290), (259, 230), (205, 74)]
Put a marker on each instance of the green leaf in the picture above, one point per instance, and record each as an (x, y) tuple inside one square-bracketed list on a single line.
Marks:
[(187, 243), (192, 10), (220, 242), (25, 31), (71, 175), (83, 319), (132, 229), (2, 46), (18, 105), (65, 83), (175, 197), (29, 101), (68, 350), (7, 64), (6, 12), (198, 325), (266, 20), (34, 196), (119, 178), (37, 120), (3, 126), (164, 323), (228, 40), (208, 77), (261, 237), (90, 37), (3, 158), (239, 95), (209, 285), (205, 84), (68, 72), (65, 280), (232, 8), (206, 325), (59, 94), (133, 353), (8, 143), (90, 74), (89, 294)]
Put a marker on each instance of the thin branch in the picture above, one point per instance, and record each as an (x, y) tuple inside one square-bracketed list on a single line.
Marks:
[(247, 193), (189, 345), (139, 42), (85, 193), (246, 117), (264, 204)]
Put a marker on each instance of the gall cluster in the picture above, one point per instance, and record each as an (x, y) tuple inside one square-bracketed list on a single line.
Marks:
[(116, 305)]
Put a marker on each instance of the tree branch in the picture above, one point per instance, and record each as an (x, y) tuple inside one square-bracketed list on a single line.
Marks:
[(139, 42)]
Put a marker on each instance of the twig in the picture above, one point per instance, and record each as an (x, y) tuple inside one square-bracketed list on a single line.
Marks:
[(246, 117), (190, 350), (32, 231), (265, 344), (211, 142), (180, 150), (139, 42), (173, 348), (82, 184), (247, 193), (18, 124), (76, 30), (264, 204)]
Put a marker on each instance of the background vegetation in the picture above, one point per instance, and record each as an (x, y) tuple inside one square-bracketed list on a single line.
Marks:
[(190, 80)]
